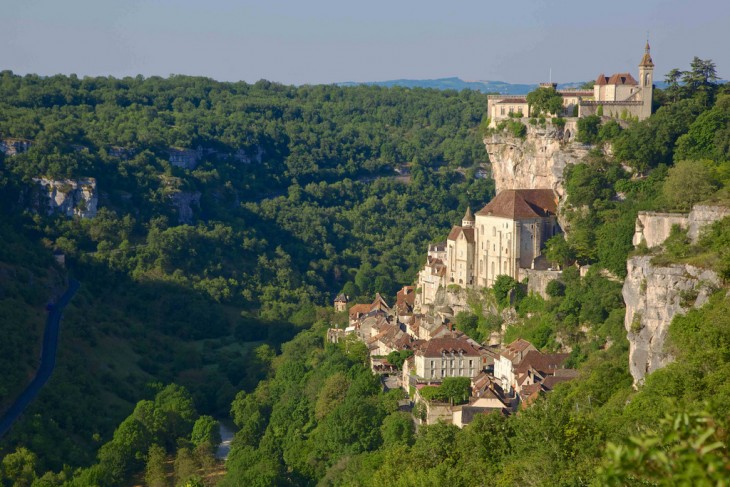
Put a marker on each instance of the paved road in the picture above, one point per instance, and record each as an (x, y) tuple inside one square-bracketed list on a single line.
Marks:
[(48, 360)]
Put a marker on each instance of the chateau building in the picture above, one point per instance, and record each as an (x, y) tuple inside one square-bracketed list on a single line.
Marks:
[(507, 235), (619, 95)]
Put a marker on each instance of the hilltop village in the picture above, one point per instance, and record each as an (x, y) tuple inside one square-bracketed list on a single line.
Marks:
[(504, 238)]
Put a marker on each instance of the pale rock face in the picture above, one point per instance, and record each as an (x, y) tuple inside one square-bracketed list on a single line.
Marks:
[(70, 197), (653, 296), (535, 162), (183, 201)]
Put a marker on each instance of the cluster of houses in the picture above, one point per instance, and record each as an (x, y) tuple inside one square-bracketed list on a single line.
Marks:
[(502, 378)]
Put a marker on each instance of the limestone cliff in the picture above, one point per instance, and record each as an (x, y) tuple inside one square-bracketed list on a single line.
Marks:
[(70, 197), (536, 161), (653, 296)]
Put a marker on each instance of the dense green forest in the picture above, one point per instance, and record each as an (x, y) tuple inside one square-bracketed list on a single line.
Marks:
[(232, 307), (207, 304)]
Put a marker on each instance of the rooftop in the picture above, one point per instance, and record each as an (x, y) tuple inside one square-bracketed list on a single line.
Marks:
[(521, 203)]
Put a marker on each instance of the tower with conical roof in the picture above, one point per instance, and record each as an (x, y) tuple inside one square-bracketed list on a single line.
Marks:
[(646, 81), (468, 220)]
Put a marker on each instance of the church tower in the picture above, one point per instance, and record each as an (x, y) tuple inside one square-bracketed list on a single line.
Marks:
[(468, 220), (646, 82)]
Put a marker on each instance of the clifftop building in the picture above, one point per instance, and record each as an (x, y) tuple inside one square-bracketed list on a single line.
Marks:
[(507, 235), (619, 95)]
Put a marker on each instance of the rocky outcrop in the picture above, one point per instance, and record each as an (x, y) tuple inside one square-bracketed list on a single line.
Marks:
[(69, 197), (536, 161), (13, 147), (184, 201), (653, 296)]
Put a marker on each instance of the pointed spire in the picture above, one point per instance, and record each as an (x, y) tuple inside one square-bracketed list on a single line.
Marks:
[(646, 60), (468, 220)]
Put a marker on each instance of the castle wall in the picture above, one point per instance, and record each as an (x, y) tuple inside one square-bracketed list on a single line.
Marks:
[(538, 280), (653, 228)]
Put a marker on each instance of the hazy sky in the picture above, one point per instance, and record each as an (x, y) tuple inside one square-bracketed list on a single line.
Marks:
[(326, 41)]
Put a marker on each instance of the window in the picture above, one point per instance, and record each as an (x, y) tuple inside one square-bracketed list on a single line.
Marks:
[(501, 110), (471, 363), (433, 373), (432, 364), (494, 231), (443, 372)]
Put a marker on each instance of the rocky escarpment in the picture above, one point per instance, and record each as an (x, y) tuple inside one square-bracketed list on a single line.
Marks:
[(536, 161), (653, 296), (69, 197)]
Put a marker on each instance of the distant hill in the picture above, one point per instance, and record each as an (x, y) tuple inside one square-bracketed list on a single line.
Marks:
[(501, 87)]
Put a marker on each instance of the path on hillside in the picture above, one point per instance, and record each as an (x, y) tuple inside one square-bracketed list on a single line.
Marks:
[(48, 359)]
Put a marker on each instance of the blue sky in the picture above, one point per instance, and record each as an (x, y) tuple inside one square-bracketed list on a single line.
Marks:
[(326, 41)]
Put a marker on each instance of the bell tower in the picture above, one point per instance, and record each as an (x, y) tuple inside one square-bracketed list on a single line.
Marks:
[(646, 82)]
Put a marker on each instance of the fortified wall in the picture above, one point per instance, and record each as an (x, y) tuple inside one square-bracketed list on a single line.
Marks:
[(654, 295), (653, 228)]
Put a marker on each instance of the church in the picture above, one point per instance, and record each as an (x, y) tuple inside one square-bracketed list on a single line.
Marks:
[(507, 235), (618, 96)]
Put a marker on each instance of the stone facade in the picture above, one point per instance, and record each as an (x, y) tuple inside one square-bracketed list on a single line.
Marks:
[(653, 228), (619, 95), (538, 280), (504, 236)]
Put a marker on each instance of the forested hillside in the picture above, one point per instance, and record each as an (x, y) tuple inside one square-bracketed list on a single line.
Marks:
[(298, 198)]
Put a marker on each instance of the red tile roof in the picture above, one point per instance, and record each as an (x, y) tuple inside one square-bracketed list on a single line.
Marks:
[(622, 79), (545, 363), (512, 101), (359, 309), (521, 203), (436, 346)]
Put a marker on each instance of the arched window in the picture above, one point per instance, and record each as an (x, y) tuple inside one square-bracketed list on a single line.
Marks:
[(646, 79)]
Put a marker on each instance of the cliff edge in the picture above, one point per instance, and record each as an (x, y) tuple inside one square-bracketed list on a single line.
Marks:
[(537, 160)]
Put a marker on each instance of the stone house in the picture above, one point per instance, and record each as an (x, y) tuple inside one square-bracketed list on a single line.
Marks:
[(509, 358), (341, 302), (447, 357), (433, 275)]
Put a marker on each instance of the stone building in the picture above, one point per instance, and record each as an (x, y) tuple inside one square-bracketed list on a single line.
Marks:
[(619, 95), (447, 357), (341, 302)]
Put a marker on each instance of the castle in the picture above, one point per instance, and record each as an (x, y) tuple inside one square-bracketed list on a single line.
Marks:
[(619, 96), (505, 236)]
